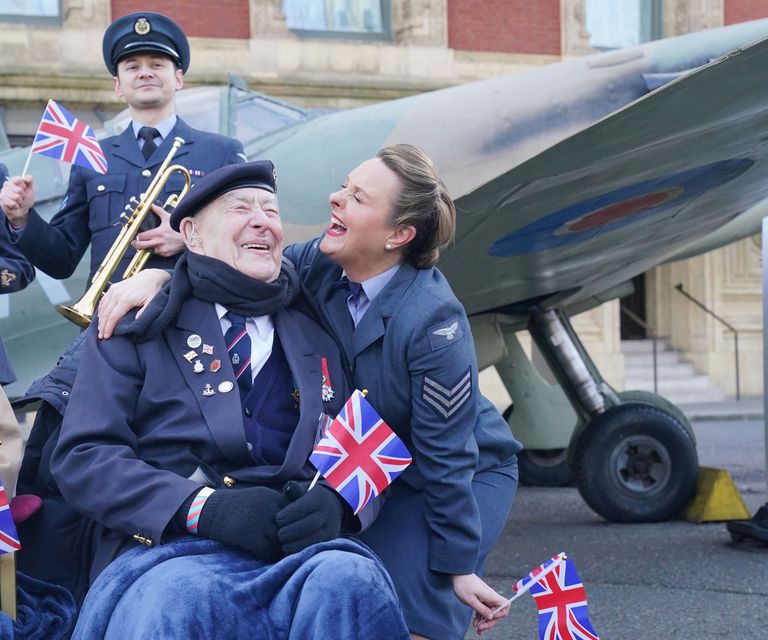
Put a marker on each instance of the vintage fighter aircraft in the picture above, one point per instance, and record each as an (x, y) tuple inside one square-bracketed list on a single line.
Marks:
[(569, 181)]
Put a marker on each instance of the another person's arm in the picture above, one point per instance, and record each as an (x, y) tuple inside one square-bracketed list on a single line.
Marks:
[(56, 247), (121, 297), (16, 272)]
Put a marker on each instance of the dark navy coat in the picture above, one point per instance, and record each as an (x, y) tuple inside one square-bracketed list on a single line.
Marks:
[(93, 202), (413, 351), (139, 437), (16, 272)]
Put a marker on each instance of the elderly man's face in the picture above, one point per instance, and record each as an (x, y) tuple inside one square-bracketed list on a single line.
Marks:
[(242, 228)]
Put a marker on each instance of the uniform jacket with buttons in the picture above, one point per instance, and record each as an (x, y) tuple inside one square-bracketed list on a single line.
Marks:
[(93, 202), (413, 351), (139, 436), (16, 272)]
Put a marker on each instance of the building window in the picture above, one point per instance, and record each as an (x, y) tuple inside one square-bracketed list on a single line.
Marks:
[(30, 10), (613, 24), (369, 19)]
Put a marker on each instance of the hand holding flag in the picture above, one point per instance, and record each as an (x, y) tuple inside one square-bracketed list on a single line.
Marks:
[(359, 455)]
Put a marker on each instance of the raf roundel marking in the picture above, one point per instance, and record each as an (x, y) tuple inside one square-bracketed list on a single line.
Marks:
[(660, 197)]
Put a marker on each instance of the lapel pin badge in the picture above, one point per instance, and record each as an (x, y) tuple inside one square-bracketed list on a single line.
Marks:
[(198, 368), (190, 355), (215, 365), (194, 341), (208, 390), (208, 349)]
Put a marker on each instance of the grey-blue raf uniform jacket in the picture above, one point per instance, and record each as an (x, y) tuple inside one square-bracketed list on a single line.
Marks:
[(413, 351), (139, 437), (15, 273), (93, 202)]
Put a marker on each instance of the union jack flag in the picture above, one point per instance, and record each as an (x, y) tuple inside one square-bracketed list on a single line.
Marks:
[(9, 539), (562, 602), (533, 577), (63, 137), (359, 455)]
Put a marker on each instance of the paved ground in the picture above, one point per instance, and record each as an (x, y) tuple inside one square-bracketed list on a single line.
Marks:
[(668, 580)]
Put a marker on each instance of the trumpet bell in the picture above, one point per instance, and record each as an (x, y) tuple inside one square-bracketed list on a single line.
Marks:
[(80, 317)]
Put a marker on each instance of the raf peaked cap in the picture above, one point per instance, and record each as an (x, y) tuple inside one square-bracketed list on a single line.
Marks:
[(142, 32), (260, 175)]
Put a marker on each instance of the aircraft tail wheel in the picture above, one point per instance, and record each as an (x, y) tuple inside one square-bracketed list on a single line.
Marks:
[(635, 463), (544, 468)]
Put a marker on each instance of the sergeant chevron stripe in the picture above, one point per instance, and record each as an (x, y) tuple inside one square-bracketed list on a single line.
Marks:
[(447, 400)]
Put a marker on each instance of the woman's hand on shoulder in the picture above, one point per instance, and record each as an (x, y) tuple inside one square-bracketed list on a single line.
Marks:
[(121, 297), (474, 592)]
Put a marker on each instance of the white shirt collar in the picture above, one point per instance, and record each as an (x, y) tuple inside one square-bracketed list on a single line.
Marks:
[(262, 324)]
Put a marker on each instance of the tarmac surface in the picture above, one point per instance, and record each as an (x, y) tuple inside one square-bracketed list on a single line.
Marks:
[(667, 580)]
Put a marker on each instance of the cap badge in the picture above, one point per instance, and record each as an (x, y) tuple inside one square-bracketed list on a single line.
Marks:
[(142, 26)]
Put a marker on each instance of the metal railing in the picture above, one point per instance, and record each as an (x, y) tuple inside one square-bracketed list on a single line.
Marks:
[(649, 332), (727, 325)]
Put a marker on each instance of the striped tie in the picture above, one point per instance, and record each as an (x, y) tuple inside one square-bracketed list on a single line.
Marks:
[(239, 349)]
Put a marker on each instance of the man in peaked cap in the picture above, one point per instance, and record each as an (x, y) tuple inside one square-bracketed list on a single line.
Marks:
[(147, 54), (202, 456)]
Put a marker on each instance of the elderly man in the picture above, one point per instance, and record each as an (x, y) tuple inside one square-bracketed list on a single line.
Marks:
[(197, 420)]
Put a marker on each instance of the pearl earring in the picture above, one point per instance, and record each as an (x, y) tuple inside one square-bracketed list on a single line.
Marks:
[(387, 246)]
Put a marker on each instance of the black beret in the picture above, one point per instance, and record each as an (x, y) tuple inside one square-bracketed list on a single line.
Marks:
[(142, 32), (260, 174)]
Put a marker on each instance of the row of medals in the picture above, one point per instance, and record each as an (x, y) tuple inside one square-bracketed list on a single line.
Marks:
[(193, 342)]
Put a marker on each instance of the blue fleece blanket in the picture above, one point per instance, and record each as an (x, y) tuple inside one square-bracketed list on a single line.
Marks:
[(44, 611), (196, 588)]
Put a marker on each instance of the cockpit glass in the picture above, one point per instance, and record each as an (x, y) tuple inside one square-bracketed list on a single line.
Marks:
[(258, 115)]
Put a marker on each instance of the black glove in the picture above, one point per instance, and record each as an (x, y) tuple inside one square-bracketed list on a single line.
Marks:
[(244, 518), (311, 517)]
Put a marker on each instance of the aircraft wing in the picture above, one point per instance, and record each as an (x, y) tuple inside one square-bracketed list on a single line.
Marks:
[(621, 196)]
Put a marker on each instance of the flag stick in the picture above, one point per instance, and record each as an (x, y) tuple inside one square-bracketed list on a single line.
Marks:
[(314, 480), (560, 560), (26, 164)]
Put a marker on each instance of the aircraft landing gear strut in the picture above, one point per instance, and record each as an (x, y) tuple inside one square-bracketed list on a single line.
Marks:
[(633, 459)]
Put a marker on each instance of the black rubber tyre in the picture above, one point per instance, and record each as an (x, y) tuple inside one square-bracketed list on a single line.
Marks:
[(655, 400), (542, 467), (635, 463)]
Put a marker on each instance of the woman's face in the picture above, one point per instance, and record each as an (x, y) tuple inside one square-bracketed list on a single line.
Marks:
[(361, 221)]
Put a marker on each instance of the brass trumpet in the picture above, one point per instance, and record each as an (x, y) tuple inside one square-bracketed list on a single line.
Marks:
[(82, 312)]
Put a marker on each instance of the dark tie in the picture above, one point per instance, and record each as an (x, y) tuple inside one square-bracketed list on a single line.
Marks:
[(352, 289), (148, 135), (239, 348)]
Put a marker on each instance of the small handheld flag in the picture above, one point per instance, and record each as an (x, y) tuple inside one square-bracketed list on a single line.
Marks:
[(9, 539), (359, 455), (63, 137), (562, 603), (560, 598)]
